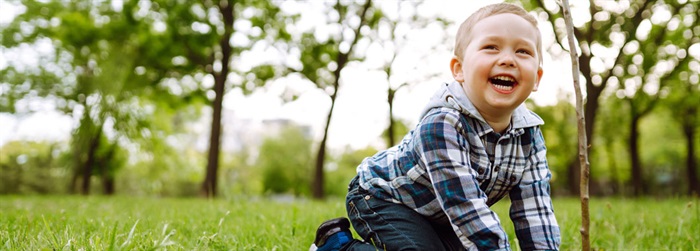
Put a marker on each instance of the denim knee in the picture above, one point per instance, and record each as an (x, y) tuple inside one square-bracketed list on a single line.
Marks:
[(389, 226)]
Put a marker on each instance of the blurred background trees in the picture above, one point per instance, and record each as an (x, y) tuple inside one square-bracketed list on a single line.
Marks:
[(632, 51), (324, 58), (144, 82), (92, 74)]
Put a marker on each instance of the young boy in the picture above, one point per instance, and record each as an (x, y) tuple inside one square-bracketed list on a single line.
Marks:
[(475, 143)]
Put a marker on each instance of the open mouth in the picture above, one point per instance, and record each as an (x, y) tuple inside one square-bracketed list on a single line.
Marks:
[(503, 83)]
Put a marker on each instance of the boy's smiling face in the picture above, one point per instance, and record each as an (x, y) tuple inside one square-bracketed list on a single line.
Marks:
[(500, 67)]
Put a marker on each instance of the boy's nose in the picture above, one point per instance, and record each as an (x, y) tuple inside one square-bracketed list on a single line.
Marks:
[(506, 59)]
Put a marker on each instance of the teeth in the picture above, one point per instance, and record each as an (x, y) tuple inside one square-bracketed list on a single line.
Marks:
[(505, 78), (503, 83), (503, 87)]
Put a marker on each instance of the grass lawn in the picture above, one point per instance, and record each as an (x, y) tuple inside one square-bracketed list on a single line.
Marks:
[(136, 223)]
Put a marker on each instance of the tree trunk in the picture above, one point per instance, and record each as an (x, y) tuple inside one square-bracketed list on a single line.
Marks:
[(635, 160), (73, 185), (317, 187), (78, 151), (342, 59), (108, 185), (615, 179), (90, 162), (108, 174), (637, 180), (209, 186), (390, 130), (691, 164), (317, 190)]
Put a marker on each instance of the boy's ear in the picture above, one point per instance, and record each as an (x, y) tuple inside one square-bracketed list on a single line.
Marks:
[(539, 77), (456, 68)]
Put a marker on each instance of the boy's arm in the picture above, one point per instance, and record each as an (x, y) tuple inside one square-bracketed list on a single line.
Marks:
[(456, 188), (531, 206)]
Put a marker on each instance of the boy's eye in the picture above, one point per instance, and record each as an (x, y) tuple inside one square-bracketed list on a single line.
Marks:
[(490, 47), (528, 52)]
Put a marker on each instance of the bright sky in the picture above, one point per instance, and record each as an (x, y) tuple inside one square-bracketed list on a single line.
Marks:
[(361, 111)]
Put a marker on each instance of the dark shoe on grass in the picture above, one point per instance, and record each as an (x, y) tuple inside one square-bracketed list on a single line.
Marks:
[(332, 235)]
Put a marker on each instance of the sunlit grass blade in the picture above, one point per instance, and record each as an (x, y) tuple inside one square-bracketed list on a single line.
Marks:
[(129, 237), (54, 238), (112, 237)]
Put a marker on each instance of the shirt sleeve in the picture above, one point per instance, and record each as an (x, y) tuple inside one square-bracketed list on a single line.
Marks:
[(531, 205), (444, 153)]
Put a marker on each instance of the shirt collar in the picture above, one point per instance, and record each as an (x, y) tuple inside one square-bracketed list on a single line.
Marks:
[(521, 117)]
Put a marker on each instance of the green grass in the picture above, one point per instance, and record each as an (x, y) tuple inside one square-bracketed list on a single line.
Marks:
[(126, 223)]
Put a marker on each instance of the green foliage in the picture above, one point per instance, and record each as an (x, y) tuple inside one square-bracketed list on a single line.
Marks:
[(93, 74), (285, 161), (344, 169), (662, 149), (640, 49), (560, 137), (33, 167), (167, 173), (663, 158), (45, 167), (401, 128), (240, 177), (322, 59), (202, 42), (611, 158), (164, 162)]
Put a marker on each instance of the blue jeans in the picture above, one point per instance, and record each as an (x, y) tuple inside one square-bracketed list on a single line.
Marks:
[(389, 226)]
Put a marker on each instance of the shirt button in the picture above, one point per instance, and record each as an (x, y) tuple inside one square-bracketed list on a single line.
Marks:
[(481, 171), (367, 197), (512, 178)]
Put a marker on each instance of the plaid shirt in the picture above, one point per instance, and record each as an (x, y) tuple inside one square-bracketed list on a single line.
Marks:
[(453, 164)]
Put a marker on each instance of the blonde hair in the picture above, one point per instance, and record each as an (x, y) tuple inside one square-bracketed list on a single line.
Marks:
[(464, 32)]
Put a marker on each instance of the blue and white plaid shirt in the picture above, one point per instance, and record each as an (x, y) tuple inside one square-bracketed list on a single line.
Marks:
[(453, 164)]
